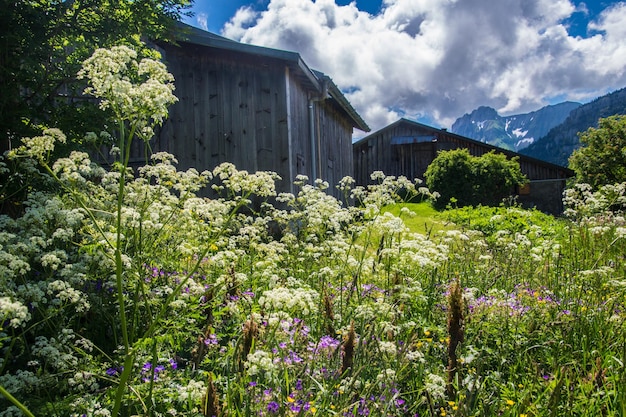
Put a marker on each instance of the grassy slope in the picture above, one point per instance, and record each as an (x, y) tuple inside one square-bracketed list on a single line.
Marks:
[(425, 218)]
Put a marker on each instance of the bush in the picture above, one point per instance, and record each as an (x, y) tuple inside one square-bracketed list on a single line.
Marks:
[(469, 181)]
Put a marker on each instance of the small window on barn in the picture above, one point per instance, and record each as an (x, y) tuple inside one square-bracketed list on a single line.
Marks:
[(407, 140)]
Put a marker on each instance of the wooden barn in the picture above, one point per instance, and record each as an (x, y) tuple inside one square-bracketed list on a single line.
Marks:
[(407, 148), (261, 109)]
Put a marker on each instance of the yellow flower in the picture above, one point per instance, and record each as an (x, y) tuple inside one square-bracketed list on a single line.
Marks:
[(523, 415), (290, 399), (510, 402)]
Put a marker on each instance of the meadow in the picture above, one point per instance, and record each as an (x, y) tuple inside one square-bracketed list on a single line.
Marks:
[(128, 294)]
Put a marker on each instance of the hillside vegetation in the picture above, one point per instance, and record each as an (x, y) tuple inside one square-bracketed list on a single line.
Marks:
[(557, 146)]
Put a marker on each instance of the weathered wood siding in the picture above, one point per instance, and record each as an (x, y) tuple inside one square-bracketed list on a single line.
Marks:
[(332, 136), (335, 145), (252, 111), (377, 153), (231, 109), (299, 127)]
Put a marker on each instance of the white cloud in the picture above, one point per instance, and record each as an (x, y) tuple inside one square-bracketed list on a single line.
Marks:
[(203, 20), (442, 58)]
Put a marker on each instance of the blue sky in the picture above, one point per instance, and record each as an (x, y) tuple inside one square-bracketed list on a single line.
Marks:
[(218, 12), (434, 60)]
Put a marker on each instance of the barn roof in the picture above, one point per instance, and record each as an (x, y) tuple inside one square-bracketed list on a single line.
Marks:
[(316, 80), (436, 132)]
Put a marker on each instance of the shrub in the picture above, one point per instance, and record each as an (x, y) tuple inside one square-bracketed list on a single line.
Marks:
[(469, 181)]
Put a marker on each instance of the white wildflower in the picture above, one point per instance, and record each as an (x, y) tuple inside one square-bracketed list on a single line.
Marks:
[(14, 311), (53, 259), (436, 386), (386, 375), (260, 362), (66, 294), (20, 382), (192, 393), (387, 347), (39, 147), (109, 72), (415, 356), (302, 300)]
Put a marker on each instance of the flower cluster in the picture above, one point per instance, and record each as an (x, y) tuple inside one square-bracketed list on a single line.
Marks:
[(301, 300), (139, 92)]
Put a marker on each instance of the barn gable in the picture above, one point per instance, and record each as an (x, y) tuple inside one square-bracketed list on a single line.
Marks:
[(407, 148), (262, 109)]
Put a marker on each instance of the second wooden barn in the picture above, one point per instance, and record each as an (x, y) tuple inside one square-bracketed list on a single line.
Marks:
[(262, 109), (407, 148)]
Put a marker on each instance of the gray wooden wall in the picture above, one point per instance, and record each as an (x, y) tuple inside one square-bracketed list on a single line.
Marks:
[(253, 112), (229, 110)]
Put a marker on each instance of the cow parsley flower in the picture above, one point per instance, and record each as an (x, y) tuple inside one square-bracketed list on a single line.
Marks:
[(139, 92), (260, 362), (290, 299), (193, 392), (14, 311), (66, 294), (39, 147), (436, 386)]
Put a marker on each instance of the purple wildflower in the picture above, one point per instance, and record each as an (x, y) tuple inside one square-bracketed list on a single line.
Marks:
[(272, 407), (211, 340)]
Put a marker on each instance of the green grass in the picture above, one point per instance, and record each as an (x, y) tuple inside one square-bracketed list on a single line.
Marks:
[(425, 219)]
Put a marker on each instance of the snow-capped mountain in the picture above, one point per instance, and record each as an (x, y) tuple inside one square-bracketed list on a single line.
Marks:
[(511, 132)]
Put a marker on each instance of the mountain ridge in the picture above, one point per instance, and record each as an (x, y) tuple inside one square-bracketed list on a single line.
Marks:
[(513, 132)]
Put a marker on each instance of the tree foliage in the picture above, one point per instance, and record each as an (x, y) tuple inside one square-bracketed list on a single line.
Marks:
[(44, 42), (42, 46), (471, 180), (602, 159)]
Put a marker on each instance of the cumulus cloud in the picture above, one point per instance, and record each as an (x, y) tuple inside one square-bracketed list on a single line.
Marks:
[(438, 59)]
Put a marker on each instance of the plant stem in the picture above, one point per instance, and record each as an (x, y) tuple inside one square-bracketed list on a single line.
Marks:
[(15, 402)]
